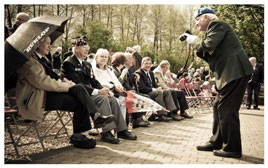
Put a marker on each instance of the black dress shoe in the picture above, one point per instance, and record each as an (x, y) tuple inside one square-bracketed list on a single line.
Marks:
[(163, 118), (185, 115), (109, 137), (139, 122), (207, 147), (176, 117), (223, 153), (101, 120), (126, 135), (83, 142), (256, 108), (152, 118)]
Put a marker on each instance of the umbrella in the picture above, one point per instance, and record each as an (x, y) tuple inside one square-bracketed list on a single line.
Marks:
[(23, 42)]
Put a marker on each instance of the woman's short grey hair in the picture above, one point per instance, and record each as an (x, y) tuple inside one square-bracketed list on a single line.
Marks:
[(101, 51), (164, 63), (128, 55)]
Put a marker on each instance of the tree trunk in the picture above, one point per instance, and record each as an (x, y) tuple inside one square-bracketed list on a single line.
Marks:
[(39, 10), (19, 9), (66, 10), (58, 10), (8, 16), (108, 17), (67, 28), (52, 9), (92, 12), (84, 16), (99, 12), (34, 12)]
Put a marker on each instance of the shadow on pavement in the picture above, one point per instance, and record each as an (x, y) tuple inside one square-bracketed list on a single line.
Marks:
[(252, 159)]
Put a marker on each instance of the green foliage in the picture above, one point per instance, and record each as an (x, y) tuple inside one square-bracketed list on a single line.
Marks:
[(248, 22), (98, 36), (155, 28)]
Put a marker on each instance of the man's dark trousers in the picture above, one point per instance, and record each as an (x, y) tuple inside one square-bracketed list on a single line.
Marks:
[(256, 89), (226, 124), (75, 100)]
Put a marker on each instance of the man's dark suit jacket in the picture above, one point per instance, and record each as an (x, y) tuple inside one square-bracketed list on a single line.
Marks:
[(258, 75), (144, 86), (74, 71), (224, 53)]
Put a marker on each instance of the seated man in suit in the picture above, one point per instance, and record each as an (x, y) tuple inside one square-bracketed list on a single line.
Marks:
[(39, 88), (79, 71), (147, 85), (178, 96)]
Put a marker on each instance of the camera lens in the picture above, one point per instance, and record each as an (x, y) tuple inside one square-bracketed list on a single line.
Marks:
[(182, 38)]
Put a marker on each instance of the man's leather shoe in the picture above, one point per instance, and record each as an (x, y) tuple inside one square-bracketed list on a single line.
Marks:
[(109, 137), (152, 118), (185, 115), (163, 118), (101, 120), (176, 117), (139, 122), (83, 142), (223, 153), (207, 147), (126, 135), (256, 108)]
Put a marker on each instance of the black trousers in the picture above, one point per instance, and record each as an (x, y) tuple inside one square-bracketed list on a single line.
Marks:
[(256, 89), (179, 100), (226, 124), (76, 100)]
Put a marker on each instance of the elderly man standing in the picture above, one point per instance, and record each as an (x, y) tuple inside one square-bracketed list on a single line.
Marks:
[(177, 95), (226, 57), (20, 19), (56, 59), (254, 84)]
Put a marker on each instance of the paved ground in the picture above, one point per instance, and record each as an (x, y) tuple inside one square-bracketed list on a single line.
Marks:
[(167, 143)]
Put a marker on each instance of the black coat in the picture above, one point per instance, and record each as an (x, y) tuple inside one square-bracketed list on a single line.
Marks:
[(143, 84), (258, 75), (56, 60), (74, 71)]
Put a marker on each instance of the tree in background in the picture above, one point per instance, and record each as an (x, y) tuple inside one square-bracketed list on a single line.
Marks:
[(248, 22), (155, 28)]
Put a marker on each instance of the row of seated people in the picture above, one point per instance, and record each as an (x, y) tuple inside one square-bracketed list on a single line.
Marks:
[(85, 93), (40, 89), (118, 79)]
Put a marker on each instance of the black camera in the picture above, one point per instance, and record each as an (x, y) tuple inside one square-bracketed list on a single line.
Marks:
[(183, 37)]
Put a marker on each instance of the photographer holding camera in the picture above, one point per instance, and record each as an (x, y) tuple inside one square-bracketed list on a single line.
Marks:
[(225, 55)]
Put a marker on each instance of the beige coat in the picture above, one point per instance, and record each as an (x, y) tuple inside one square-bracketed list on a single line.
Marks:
[(160, 78), (31, 84)]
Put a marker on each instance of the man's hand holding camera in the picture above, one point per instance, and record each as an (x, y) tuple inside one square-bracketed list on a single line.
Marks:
[(188, 37)]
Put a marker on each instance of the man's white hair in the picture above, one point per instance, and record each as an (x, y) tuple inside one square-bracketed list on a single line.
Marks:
[(59, 48), (252, 59), (211, 16)]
